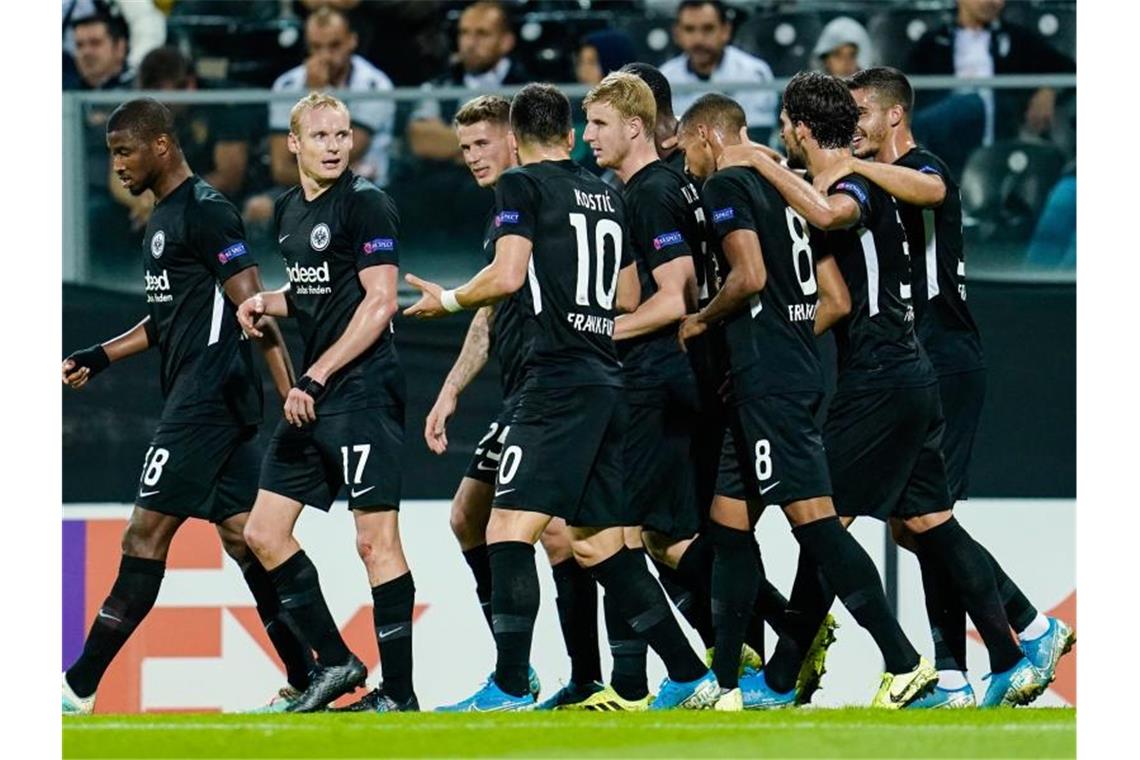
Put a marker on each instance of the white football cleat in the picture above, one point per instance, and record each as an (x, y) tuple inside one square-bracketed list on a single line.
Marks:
[(73, 704)]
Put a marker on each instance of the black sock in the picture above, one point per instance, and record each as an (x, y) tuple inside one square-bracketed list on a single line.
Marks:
[(946, 614), (971, 572), (392, 605), (694, 572), (771, 606), (856, 582), (481, 568), (696, 613), (131, 597), (1018, 608), (810, 600), (299, 589), (578, 615), (514, 602), (642, 602), (279, 626), (735, 581), (629, 652)]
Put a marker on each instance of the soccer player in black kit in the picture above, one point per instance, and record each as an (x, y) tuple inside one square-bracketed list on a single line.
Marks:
[(773, 298), (884, 425), (203, 459), (344, 419), (931, 212), (560, 241)]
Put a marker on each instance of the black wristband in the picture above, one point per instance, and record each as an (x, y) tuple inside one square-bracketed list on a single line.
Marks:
[(310, 386), (94, 359)]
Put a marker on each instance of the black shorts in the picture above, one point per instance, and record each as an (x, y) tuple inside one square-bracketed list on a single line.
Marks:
[(773, 451), (563, 456), (362, 450), (884, 451), (489, 451), (204, 471), (659, 472), (962, 398)]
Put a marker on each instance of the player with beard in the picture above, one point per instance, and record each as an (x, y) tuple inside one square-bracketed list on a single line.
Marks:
[(931, 212), (884, 425), (563, 453), (344, 419), (203, 460)]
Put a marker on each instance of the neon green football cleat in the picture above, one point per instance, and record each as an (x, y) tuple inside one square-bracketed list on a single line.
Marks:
[(750, 660), (285, 697), (608, 700), (899, 690), (815, 662)]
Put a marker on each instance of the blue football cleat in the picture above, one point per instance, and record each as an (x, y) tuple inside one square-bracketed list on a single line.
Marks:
[(1019, 685), (758, 695), (1046, 650), (700, 694), (533, 683), (945, 698), (490, 698)]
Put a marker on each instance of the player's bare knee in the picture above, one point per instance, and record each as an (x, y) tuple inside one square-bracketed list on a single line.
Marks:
[(902, 535), (923, 523), (467, 528)]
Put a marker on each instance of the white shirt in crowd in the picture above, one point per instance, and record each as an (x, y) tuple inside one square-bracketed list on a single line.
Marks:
[(735, 66), (488, 80), (378, 116), (972, 58)]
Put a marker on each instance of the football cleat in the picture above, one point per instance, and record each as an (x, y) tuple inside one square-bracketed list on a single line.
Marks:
[(490, 698), (608, 700), (377, 701), (945, 698), (572, 696), (73, 704), (815, 662), (285, 697), (328, 683), (898, 690), (700, 694), (750, 660), (756, 694), (1045, 651), (533, 684), (730, 700), (1019, 685)]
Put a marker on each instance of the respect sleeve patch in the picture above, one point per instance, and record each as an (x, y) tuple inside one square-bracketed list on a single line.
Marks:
[(379, 244), (724, 214), (231, 253), (667, 239)]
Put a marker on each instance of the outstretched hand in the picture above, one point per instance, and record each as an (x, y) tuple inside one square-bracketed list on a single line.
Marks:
[(429, 306)]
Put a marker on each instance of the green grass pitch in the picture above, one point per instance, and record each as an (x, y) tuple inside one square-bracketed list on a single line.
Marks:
[(854, 732)]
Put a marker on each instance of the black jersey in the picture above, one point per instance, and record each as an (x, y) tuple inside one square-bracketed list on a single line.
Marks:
[(943, 323), (876, 343), (325, 242), (194, 242), (575, 223), (506, 326), (771, 343), (664, 218)]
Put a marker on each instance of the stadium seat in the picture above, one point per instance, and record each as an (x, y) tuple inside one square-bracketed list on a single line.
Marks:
[(893, 32), (1055, 20), (783, 40), (1004, 187)]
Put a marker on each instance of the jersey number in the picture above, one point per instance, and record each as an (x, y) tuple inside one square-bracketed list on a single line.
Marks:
[(801, 251), (492, 455), (153, 463), (763, 459), (363, 450), (603, 229)]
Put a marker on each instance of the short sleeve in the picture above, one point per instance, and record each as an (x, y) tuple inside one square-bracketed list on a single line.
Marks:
[(626, 257), (516, 206), (372, 227), (219, 238), (728, 204), (921, 163), (859, 190), (656, 229)]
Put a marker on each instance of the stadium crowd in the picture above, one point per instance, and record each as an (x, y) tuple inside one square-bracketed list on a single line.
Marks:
[(1015, 150)]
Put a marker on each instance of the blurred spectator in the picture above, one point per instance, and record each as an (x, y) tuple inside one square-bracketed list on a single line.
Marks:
[(1054, 243), (980, 44), (101, 52), (598, 54), (332, 64), (145, 25), (215, 138), (703, 31), (844, 47), (482, 61)]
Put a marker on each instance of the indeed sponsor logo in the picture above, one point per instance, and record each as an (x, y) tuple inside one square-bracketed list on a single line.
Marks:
[(231, 253), (669, 238), (303, 279), (158, 287)]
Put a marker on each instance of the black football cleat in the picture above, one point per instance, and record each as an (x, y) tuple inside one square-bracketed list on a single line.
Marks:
[(379, 702), (327, 684)]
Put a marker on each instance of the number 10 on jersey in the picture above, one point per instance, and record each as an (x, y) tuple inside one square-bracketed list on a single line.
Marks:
[(605, 228)]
